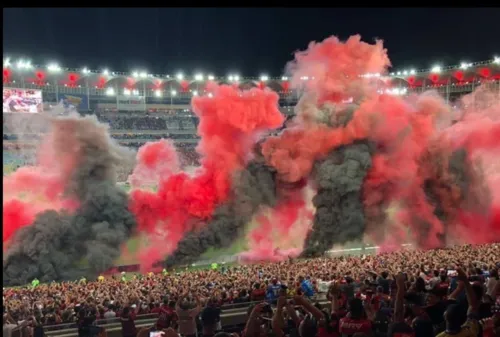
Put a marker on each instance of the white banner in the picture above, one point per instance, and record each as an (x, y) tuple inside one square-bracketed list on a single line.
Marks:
[(131, 103)]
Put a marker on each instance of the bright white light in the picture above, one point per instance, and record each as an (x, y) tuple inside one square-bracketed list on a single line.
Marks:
[(158, 93), (110, 92), (412, 72), (126, 92), (210, 95), (236, 79), (179, 76), (230, 78), (304, 78), (105, 72), (284, 78), (198, 77), (85, 70), (23, 64), (211, 77), (264, 78), (173, 93), (436, 69), (464, 65), (405, 72), (392, 74), (195, 93), (6, 62), (135, 92), (398, 73), (496, 60), (54, 67), (143, 75), (135, 74)]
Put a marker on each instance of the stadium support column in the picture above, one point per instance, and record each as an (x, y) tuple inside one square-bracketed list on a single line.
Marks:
[(87, 91), (447, 92), (145, 95), (56, 88)]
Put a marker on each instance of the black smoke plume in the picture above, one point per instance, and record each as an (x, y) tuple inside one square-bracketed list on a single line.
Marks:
[(339, 214), (61, 246), (252, 188)]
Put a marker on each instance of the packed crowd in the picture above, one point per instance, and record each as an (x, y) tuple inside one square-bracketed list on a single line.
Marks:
[(148, 122), (445, 292)]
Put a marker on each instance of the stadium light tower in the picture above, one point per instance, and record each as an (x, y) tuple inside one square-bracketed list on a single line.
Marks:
[(264, 78)]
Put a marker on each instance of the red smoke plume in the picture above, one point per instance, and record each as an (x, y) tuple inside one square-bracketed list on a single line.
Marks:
[(230, 122)]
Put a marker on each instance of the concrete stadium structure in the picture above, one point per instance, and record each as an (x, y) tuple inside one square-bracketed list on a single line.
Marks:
[(106, 91)]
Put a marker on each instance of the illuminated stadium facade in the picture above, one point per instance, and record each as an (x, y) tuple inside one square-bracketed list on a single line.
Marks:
[(139, 91)]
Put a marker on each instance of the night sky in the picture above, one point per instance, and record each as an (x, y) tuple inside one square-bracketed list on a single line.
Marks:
[(245, 41)]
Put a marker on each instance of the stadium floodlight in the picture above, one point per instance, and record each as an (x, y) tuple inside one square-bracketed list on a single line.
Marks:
[(198, 77), (6, 62), (53, 67), (105, 72), (464, 65), (496, 59), (158, 93), (230, 78), (398, 73), (173, 93), (211, 77), (85, 70), (135, 74), (392, 74), (436, 69), (110, 92), (264, 78), (23, 64), (126, 92), (405, 72), (143, 75), (412, 72), (195, 93), (179, 76), (284, 78)]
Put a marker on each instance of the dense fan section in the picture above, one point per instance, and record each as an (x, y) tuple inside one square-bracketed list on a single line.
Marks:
[(355, 163)]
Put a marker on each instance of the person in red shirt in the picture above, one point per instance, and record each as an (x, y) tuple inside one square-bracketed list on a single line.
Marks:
[(355, 321), (127, 319), (167, 316)]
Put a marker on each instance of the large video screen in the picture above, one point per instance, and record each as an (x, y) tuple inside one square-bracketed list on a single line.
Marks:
[(22, 100)]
